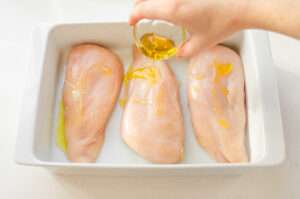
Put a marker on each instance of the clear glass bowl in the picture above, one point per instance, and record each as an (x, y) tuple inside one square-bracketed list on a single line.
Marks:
[(162, 28)]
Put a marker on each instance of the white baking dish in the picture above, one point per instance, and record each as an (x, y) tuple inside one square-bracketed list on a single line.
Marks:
[(39, 108)]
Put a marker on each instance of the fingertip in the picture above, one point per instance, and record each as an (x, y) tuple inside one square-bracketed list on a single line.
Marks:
[(134, 21), (135, 15), (178, 56), (131, 22), (179, 53), (133, 18), (185, 50)]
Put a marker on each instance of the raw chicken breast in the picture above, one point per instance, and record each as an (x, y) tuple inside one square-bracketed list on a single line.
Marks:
[(152, 123), (92, 83), (216, 95)]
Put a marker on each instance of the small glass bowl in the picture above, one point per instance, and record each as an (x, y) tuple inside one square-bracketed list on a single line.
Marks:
[(170, 31)]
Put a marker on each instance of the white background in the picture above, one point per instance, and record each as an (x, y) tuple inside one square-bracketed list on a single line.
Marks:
[(17, 19)]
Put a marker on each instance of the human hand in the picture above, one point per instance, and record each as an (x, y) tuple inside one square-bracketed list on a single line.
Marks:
[(208, 21)]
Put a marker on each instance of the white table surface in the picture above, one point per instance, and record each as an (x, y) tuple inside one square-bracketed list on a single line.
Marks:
[(18, 17)]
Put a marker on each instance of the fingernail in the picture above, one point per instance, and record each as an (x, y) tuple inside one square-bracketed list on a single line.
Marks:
[(178, 56)]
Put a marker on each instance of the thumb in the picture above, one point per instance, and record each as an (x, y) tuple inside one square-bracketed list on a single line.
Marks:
[(191, 47)]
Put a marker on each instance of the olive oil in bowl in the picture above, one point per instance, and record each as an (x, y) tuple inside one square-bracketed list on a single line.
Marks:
[(158, 39), (157, 47)]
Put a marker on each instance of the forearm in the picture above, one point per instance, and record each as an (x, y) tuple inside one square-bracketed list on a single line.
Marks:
[(210, 22), (281, 16)]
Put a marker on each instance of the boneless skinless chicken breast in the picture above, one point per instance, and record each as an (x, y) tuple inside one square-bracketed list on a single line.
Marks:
[(217, 103), (152, 123), (92, 83)]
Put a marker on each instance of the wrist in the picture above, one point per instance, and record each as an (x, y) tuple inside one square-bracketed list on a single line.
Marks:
[(281, 16), (240, 11)]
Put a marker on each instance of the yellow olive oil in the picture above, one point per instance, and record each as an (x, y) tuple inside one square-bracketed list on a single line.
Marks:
[(221, 70), (150, 73), (60, 128), (157, 47)]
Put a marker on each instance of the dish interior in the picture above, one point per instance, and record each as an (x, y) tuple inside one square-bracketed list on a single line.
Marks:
[(118, 38)]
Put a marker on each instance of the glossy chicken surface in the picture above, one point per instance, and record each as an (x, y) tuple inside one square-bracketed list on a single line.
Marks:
[(93, 80), (152, 123), (216, 93)]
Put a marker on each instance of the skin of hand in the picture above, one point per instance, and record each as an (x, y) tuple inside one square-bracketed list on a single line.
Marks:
[(210, 22)]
